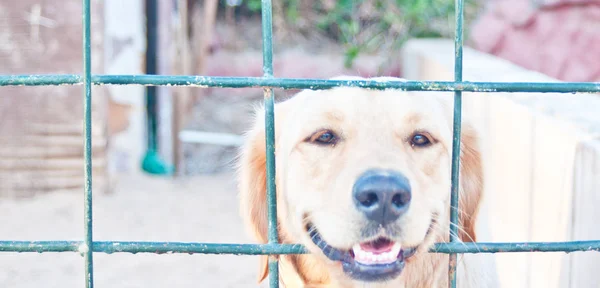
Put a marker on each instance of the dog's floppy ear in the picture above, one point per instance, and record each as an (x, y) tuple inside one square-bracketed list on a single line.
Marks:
[(252, 180), (472, 182)]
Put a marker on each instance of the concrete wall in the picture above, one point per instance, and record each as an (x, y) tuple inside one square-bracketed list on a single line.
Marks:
[(541, 155)]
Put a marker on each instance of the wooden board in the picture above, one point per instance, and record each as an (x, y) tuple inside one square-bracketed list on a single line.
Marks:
[(41, 143)]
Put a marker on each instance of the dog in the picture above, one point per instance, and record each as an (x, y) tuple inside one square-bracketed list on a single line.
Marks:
[(363, 182)]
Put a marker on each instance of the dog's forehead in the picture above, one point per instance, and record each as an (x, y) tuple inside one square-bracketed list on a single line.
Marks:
[(359, 102)]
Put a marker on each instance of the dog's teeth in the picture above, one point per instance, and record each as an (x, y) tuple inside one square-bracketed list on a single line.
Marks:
[(396, 249), (386, 258), (360, 255), (368, 258)]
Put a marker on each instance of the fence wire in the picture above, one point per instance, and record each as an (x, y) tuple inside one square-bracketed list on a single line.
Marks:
[(268, 82)]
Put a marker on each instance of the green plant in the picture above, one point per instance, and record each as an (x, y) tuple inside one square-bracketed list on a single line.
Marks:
[(371, 25), (253, 5)]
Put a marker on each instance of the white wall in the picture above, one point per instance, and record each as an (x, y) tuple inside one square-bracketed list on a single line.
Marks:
[(541, 154), (124, 48), (125, 44), (167, 33)]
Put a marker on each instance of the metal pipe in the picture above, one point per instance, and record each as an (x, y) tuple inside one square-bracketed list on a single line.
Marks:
[(297, 83)]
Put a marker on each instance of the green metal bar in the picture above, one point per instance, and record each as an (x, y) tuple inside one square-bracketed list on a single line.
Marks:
[(110, 247), (456, 135), (269, 124), (300, 83), (40, 246), (151, 247), (515, 247), (267, 39), (151, 53), (40, 80), (86, 249), (152, 162)]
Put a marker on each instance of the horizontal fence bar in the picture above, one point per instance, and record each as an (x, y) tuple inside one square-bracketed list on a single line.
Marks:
[(473, 247), (273, 249), (40, 246), (151, 247), (297, 83), (41, 80)]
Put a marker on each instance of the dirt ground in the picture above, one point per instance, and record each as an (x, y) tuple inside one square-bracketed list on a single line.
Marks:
[(196, 209)]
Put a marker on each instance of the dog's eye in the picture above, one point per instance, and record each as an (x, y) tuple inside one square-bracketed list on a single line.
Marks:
[(323, 137), (419, 140)]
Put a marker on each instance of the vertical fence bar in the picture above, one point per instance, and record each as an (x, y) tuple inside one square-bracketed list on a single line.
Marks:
[(458, 69), (151, 54), (86, 249), (267, 37)]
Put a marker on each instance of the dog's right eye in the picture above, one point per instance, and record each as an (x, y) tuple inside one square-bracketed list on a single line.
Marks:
[(324, 137)]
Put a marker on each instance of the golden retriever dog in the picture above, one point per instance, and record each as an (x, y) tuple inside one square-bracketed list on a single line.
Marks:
[(363, 181)]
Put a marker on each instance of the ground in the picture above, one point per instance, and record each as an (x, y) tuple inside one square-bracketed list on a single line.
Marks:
[(196, 209)]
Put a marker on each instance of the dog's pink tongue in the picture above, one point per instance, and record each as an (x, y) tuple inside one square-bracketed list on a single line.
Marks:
[(378, 246)]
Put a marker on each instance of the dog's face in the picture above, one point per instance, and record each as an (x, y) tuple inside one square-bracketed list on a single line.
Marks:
[(363, 177)]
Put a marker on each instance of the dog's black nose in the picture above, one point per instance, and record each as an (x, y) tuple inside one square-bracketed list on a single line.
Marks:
[(382, 195)]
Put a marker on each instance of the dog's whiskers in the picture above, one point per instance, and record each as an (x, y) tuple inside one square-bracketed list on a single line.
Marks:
[(441, 230), (296, 245), (471, 238)]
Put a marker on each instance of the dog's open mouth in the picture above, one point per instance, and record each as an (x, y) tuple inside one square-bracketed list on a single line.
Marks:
[(378, 260), (380, 251)]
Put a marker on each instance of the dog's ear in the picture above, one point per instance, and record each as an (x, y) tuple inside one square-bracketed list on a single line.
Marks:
[(472, 183), (252, 180)]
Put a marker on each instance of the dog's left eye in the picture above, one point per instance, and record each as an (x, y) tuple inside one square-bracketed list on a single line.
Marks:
[(419, 140), (323, 137)]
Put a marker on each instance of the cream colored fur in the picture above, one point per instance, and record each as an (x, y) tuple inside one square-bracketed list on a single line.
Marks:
[(316, 181)]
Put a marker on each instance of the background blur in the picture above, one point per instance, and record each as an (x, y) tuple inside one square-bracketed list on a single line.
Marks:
[(175, 182)]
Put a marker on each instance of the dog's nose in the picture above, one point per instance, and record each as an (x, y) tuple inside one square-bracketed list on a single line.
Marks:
[(382, 195)]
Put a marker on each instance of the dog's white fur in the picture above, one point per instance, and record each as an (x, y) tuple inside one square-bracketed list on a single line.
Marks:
[(314, 182)]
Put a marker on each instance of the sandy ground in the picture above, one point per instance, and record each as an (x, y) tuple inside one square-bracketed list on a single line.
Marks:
[(198, 209)]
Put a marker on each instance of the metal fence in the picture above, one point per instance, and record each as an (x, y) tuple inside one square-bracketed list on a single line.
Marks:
[(87, 247)]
